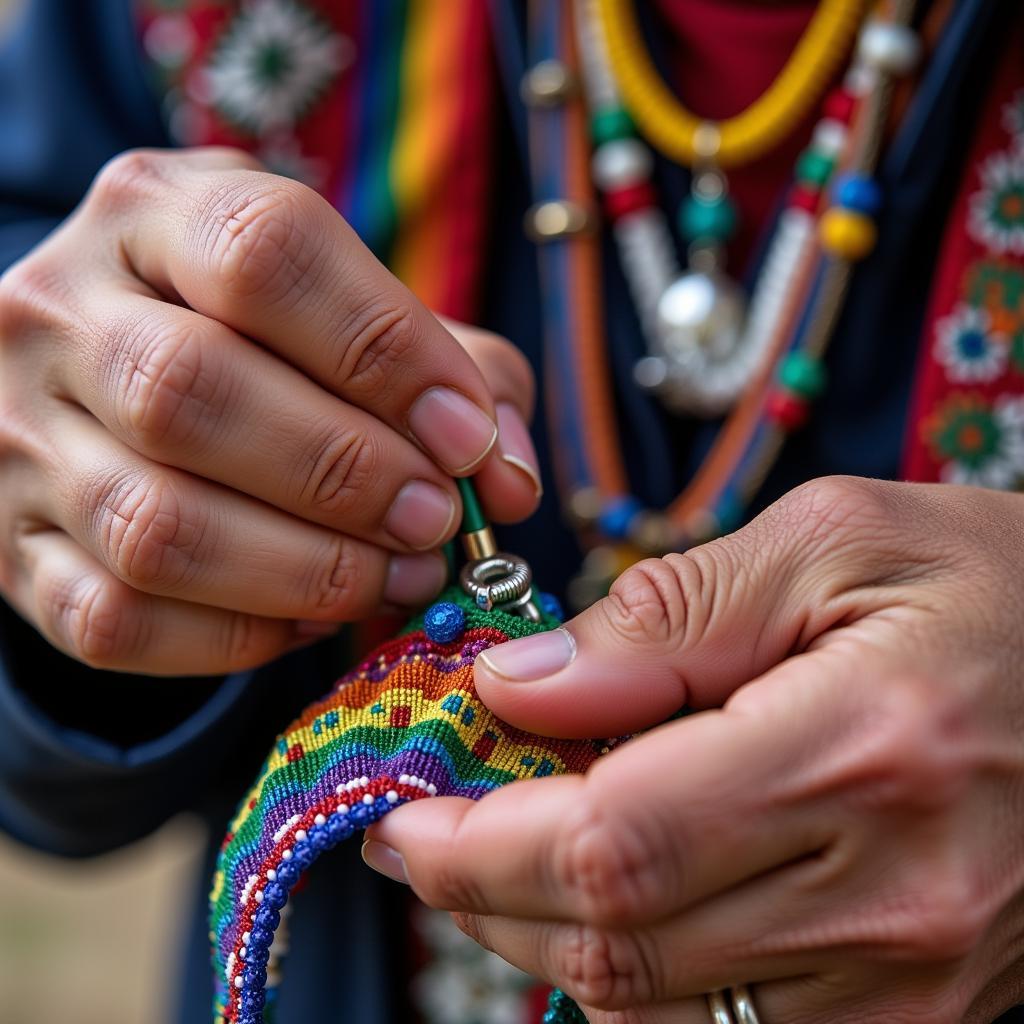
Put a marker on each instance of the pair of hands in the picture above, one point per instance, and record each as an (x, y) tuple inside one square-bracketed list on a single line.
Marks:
[(842, 825), (225, 428)]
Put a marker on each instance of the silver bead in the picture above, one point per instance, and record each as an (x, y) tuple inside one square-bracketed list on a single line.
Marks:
[(547, 84), (830, 138), (621, 163), (704, 311), (892, 49)]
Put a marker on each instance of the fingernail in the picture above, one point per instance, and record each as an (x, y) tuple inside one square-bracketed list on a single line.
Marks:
[(386, 860), (308, 628), (531, 657), (421, 515), (414, 579), (515, 445), (456, 431)]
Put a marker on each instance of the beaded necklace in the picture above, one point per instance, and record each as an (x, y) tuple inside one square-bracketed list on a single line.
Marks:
[(827, 226)]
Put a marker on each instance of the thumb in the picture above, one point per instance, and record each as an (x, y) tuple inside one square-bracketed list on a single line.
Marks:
[(690, 628)]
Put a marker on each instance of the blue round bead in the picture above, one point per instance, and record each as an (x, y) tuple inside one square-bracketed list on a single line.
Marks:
[(275, 895), (254, 1001), (444, 622), (339, 828), (257, 957), (260, 938), (359, 816), (320, 840), (288, 873), (617, 516), (254, 977), (550, 605), (267, 917), (855, 192)]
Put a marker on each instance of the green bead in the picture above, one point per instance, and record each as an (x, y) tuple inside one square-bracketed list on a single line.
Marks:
[(715, 219), (802, 375), (611, 123), (814, 168)]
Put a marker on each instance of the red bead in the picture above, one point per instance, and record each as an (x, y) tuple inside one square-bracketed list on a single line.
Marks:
[(840, 105), (628, 200), (787, 410), (803, 197)]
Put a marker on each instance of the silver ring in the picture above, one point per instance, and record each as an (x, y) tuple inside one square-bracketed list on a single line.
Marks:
[(499, 580), (718, 1004), (743, 1005)]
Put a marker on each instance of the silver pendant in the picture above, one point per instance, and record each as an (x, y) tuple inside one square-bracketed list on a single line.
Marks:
[(697, 363)]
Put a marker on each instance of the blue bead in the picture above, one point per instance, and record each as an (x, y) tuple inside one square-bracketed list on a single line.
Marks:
[(275, 895), (339, 828), (256, 957), (251, 1018), (254, 977), (260, 937), (288, 874), (267, 917), (320, 840), (444, 622), (855, 192), (617, 516), (359, 816), (550, 605)]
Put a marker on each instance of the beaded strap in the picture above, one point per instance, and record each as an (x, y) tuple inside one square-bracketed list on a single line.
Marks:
[(406, 724)]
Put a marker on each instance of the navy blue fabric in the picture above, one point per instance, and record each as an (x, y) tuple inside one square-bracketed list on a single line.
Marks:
[(90, 761)]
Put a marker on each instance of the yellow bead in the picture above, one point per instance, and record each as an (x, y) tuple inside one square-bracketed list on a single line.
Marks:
[(847, 234)]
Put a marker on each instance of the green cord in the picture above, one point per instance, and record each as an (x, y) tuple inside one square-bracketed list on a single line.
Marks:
[(472, 514)]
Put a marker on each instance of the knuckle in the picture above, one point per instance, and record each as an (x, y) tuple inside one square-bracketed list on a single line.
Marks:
[(602, 969), (145, 533), (376, 341), (821, 509), (613, 875), (31, 297), (336, 583), (340, 471), (242, 643), (451, 889), (258, 240), (164, 386), (945, 922), (92, 617), (126, 179), (651, 602)]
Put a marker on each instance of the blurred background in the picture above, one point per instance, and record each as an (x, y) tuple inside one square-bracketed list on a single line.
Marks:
[(63, 923)]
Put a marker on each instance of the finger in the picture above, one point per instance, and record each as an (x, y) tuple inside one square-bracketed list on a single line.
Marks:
[(508, 481), (624, 970), (672, 817), (690, 628), (168, 533), (186, 391), (85, 611), (273, 260)]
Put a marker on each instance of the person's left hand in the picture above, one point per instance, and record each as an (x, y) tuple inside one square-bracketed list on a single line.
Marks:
[(845, 832)]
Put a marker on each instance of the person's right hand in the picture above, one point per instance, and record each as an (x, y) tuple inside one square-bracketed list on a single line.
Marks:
[(225, 427)]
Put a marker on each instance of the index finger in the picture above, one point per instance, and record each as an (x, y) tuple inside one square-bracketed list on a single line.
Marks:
[(672, 817), (273, 260)]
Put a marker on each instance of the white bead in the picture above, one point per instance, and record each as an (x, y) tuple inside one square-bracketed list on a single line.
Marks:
[(239, 981), (241, 953), (319, 820), (892, 49), (403, 780), (621, 163), (422, 783), (258, 896), (287, 855), (343, 808), (413, 780), (368, 799), (432, 789), (830, 137), (272, 875), (246, 938), (391, 796), (861, 79), (339, 788), (300, 835), (364, 781)]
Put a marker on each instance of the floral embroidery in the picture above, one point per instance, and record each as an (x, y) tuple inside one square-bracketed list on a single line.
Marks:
[(996, 217), (275, 58), (967, 346), (978, 442)]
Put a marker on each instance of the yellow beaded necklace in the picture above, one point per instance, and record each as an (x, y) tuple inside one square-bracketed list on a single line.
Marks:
[(686, 138)]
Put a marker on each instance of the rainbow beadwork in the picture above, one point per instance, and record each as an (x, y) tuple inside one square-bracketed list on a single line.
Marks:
[(405, 724)]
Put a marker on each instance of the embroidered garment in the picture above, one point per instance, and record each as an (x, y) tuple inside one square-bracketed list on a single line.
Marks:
[(967, 424), (406, 724)]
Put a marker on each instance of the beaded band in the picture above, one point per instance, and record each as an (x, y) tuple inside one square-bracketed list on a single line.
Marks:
[(406, 724)]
